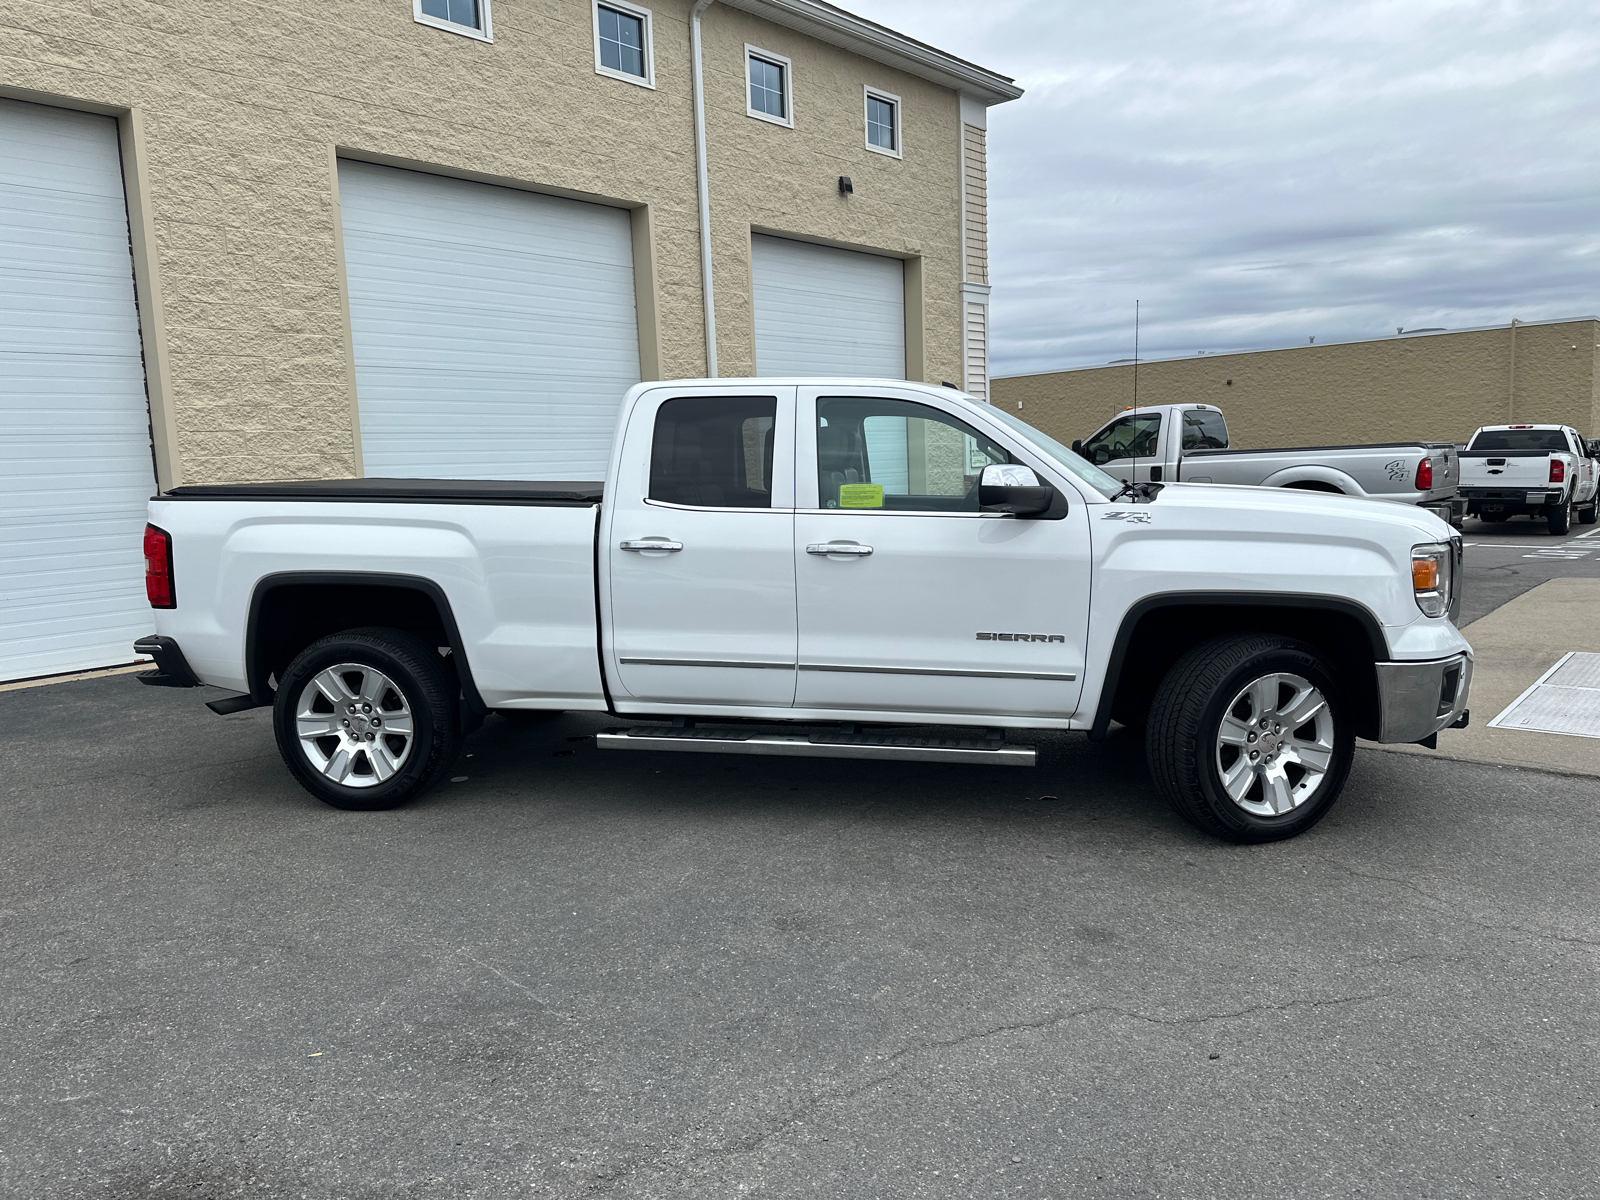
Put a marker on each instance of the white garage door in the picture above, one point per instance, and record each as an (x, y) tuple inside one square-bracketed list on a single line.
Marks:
[(75, 466), (494, 329), (822, 311)]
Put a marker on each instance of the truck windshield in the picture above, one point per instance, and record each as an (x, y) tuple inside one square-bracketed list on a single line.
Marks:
[(1073, 464), (1520, 439)]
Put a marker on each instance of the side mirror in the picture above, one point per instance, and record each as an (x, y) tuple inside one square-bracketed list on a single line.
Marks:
[(1008, 488), (1102, 455), (1077, 448)]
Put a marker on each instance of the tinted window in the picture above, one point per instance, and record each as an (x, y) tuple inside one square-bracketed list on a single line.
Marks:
[(1520, 439), (714, 451), (894, 454), (1204, 429), (1132, 436)]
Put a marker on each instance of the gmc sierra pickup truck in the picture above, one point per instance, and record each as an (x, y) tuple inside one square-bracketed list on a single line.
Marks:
[(1542, 470), (1189, 443), (836, 567)]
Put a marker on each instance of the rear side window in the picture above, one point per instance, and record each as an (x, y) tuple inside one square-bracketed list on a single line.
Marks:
[(1520, 439), (714, 451), (1204, 429)]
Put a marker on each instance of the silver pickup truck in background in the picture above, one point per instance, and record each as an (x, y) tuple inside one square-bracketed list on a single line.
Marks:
[(1545, 471), (1188, 443)]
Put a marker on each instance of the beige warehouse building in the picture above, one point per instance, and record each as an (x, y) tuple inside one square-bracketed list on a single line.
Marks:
[(1434, 385), (436, 238)]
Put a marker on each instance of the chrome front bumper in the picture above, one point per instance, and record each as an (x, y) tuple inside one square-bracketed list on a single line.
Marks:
[(1417, 699)]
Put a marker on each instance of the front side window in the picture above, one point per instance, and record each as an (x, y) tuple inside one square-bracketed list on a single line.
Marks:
[(883, 122), (469, 17), (769, 86), (714, 451), (622, 42), (1132, 436), (899, 456)]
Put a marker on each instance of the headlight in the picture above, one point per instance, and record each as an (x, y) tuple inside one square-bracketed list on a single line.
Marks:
[(1431, 581)]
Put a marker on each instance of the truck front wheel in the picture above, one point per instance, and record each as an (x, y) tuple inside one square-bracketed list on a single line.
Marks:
[(366, 719), (1250, 737)]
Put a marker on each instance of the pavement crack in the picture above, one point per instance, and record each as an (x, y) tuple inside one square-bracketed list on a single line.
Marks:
[(1446, 909)]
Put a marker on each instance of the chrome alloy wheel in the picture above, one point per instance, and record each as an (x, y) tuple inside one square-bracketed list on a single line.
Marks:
[(354, 725), (1275, 745)]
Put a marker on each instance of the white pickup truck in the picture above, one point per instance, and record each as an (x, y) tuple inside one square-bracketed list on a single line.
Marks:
[(837, 567), (1189, 443), (1542, 470)]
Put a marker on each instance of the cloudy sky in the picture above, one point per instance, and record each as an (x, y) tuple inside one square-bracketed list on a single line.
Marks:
[(1260, 172)]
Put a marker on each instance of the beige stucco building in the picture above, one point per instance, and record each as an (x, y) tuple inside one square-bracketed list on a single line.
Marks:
[(438, 237), (1437, 385)]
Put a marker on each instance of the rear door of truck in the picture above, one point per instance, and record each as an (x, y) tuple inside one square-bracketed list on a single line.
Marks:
[(698, 549)]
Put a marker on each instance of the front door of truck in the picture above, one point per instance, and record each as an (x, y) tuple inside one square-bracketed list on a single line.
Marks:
[(701, 551), (1129, 447), (911, 600)]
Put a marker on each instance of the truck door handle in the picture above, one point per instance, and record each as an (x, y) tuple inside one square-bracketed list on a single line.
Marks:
[(653, 545), (850, 548)]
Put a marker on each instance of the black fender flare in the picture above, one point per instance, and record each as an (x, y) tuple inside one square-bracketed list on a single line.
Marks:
[(1362, 615), (256, 672)]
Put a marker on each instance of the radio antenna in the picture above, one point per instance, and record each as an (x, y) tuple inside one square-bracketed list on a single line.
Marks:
[(1133, 481)]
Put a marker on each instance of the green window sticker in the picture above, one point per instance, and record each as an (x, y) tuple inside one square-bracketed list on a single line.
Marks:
[(861, 495)]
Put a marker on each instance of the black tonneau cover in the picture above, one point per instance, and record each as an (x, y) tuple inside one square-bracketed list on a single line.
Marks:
[(391, 491)]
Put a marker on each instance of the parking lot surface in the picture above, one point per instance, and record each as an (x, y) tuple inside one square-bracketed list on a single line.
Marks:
[(576, 973)]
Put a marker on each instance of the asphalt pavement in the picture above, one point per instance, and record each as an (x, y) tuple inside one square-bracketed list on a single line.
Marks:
[(576, 973), (1506, 559)]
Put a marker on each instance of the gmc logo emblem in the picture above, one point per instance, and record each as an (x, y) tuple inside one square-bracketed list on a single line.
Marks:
[(1021, 637)]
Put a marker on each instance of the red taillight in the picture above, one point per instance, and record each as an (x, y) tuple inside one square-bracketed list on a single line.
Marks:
[(158, 568), (1425, 475), (1558, 471)]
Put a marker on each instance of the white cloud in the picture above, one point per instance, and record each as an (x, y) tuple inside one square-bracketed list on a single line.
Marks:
[(1257, 172)]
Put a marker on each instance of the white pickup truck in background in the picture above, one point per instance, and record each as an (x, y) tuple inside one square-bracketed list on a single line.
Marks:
[(1544, 471), (838, 567), (1189, 443)]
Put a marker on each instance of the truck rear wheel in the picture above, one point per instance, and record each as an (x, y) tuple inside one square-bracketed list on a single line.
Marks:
[(366, 719), (1250, 737), (1560, 517)]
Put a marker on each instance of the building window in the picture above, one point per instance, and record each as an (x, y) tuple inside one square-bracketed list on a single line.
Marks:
[(883, 122), (770, 96), (470, 18), (622, 42)]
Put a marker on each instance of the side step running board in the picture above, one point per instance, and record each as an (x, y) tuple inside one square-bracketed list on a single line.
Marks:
[(883, 746)]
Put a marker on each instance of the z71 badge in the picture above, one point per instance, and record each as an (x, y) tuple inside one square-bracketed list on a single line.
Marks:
[(1021, 637), (1132, 516)]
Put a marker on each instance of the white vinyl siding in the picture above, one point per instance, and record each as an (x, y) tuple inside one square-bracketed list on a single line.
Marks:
[(824, 311), (977, 350), (75, 465), (494, 329)]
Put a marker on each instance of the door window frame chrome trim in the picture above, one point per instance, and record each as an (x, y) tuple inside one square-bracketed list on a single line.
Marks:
[(712, 507)]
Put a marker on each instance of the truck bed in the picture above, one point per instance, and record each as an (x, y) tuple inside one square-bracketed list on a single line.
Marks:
[(420, 491)]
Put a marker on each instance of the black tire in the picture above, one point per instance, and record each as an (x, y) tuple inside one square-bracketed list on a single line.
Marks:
[(1590, 512), (421, 684), (1560, 518), (1182, 743)]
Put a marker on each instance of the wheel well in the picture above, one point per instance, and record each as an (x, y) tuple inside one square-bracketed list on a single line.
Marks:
[(1162, 635), (288, 614), (1314, 485)]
